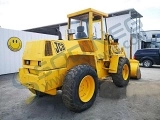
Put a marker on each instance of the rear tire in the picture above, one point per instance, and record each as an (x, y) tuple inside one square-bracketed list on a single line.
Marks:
[(80, 88), (121, 78), (147, 63)]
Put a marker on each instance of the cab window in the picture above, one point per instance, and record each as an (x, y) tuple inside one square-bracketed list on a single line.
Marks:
[(80, 25), (97, 34)]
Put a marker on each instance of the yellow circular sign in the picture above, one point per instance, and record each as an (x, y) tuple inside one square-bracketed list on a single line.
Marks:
[(14, 44)]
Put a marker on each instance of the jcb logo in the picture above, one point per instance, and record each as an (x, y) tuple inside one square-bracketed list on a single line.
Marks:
[(59, 47)]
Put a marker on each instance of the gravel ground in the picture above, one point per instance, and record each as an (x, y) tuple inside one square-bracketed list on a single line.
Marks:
[(138, 101)]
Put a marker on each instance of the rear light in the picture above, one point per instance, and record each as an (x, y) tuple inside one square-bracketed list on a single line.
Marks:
[(39, 63), (134, 57), (27, 62)]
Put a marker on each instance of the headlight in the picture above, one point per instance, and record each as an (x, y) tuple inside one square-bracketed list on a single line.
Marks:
[(27, 62)]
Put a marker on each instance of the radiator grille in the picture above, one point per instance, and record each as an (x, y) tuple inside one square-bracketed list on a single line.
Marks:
[(48, 48)]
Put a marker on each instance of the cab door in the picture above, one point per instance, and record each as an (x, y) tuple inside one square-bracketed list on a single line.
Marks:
[(99, 30)]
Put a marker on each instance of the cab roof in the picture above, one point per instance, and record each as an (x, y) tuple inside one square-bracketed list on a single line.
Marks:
[(87, 11)]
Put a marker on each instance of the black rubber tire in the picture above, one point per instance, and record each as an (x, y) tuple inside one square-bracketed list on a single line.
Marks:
[(147, 63), (138, 74), (71, 84), (118, 79)]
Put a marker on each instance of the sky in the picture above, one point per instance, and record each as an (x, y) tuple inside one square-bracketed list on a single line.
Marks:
[(26, 14)]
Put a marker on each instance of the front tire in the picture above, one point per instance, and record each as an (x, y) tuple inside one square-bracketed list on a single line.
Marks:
[(80, 88), (121, 78), (138, 75), (147, 63)]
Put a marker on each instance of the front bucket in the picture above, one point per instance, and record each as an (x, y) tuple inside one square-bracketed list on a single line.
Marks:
[(135, 70)]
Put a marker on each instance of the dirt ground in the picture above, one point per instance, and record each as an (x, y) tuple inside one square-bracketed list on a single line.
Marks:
[(140, 100)]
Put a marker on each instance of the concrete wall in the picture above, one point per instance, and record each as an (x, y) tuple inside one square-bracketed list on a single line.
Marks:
[(11, 61)]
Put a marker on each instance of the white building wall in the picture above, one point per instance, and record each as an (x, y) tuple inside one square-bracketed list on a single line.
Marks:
[(136, 37), (11, 61), (120, 27), (63, 30), (147, 35)]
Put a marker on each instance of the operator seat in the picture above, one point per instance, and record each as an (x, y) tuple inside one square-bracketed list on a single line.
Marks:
[(80, 32)]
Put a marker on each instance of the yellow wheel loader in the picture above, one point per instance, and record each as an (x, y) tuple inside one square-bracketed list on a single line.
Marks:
[(75, 65)]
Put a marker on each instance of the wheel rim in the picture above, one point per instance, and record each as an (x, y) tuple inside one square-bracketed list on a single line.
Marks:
[(125, 72), (86, 88), (147, 63)]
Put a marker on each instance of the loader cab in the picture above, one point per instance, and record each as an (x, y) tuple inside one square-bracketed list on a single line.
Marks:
[(87, 24)]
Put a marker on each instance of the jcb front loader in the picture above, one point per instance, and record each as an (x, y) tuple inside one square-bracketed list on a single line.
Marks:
[(76, 64)]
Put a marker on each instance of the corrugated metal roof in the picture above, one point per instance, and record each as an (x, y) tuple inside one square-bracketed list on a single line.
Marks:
[(52, 29), (49, 29), (132, 11)]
